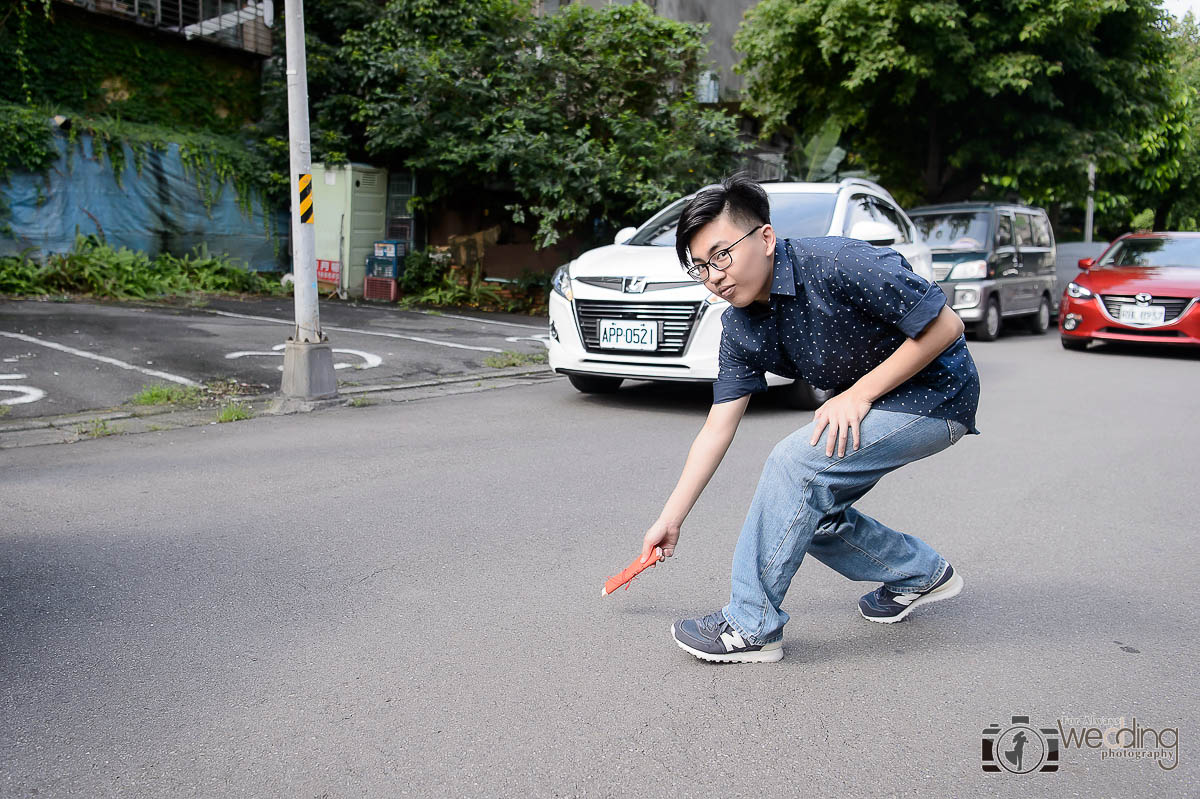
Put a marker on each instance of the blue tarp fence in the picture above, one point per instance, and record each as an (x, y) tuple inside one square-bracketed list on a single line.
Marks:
[(160, 209)]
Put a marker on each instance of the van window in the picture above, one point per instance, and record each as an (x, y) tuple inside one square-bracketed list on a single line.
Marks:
[(958, 230), (1024, 231), (1004, 232), (1041, 231)]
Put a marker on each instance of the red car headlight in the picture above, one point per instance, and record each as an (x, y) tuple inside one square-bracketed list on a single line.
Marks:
[(1078, 292)]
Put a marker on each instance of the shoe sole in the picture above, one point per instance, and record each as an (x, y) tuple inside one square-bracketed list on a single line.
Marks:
[(770, 653), (947, 591)]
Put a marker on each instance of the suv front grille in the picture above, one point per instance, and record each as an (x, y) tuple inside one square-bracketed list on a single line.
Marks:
[(941, 271), (677, 320), (1174, 305)]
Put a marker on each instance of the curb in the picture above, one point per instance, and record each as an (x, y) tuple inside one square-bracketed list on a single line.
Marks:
[(75, 427)]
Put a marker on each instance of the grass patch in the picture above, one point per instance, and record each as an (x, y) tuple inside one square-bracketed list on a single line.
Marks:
[(97, 429), (360, 402), (512, 358), (234, 412), (169, 395), (5, 410)]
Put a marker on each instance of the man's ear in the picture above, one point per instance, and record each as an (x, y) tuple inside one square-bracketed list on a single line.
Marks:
[(768, 233)]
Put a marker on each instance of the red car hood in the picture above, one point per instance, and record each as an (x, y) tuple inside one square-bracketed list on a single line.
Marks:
[(1175, 281)]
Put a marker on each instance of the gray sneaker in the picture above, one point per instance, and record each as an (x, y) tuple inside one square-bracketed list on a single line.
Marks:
[(887, 607), (713, 638)]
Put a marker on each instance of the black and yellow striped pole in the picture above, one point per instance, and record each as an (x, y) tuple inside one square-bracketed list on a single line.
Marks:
[(308, 360), (304, 184)]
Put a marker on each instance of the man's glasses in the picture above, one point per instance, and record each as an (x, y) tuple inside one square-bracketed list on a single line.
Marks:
[(721, 260)]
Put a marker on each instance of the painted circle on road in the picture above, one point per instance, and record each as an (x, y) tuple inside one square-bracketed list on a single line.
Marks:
[(25, 393)]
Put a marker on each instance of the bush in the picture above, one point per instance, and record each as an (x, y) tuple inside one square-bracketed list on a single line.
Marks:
[(94, 268), (423, 269), (531, 291)]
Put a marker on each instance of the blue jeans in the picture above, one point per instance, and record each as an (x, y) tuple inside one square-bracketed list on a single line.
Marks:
[(802, 504)]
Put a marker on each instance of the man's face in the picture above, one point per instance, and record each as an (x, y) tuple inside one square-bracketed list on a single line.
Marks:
[(749, 278)]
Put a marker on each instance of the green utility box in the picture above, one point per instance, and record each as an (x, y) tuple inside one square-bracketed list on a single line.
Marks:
[(350, 215)]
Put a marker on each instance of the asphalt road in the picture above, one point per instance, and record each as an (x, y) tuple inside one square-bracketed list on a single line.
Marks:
[(403, 600), (60, 358)]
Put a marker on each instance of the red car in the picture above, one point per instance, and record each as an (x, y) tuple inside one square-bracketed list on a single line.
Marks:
[(1144, 288)]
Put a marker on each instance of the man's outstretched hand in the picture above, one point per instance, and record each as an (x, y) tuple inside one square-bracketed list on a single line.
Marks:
[(661, 534)]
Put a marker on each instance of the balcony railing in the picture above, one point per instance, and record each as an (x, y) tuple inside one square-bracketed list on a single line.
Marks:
[(233, 23)]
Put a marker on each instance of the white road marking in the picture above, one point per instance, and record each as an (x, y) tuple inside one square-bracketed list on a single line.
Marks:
[(482, 321), (543, 339), (102, 358), (292, 323), (370, 360), (28, 393)]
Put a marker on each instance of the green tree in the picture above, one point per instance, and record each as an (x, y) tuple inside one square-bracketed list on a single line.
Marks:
[(1165, 175), (333, 86), (583, 114), (935, 96)]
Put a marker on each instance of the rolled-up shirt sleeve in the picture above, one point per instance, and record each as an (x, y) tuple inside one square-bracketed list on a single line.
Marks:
[(735, 377), (880, 282)]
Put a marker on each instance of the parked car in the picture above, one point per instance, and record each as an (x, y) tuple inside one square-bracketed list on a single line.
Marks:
[(1145, 287), (638, 279), (994, 261)]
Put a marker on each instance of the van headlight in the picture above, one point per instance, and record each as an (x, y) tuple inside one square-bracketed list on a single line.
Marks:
[(1079, 292), (968, 270), (561, 282)]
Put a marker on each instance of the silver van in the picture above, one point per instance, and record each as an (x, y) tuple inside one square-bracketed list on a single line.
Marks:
[(994, 261)]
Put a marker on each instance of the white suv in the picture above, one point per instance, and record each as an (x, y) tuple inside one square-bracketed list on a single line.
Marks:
[(676, 323)]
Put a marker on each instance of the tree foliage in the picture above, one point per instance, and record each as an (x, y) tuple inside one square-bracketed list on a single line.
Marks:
[(333, 86), (1166, 172), (580, 115), (934, 95)]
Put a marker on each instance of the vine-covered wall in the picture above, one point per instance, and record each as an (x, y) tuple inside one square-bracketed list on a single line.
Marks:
[(83, 62)]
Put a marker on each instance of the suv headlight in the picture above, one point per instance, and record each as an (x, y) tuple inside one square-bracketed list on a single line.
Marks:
[(561, 282), (1079, 292), (968, 270)]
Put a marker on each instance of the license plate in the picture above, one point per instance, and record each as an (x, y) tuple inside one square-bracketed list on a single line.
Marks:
[(622, 334), (1142, 314)]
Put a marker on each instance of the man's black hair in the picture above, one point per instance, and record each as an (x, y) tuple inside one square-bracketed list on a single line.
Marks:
[(737, 195)]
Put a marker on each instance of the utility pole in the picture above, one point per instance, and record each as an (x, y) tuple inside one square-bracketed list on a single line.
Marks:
[(1091, 203), (308, 360)]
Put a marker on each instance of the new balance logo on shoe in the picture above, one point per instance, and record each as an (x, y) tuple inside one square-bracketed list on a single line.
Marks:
[(732, 640)]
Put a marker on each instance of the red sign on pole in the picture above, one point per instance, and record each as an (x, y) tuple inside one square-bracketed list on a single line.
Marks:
[(329, 271)]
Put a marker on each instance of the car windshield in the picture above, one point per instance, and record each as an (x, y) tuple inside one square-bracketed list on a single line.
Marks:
[(1154, 252), (793, 216), (964, 230)]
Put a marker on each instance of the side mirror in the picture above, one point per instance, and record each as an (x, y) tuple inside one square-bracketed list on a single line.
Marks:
[(876, 233), (624, 235), (1086, 263)]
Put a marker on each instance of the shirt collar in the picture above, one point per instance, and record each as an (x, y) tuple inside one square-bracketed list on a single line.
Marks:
[(784, 280)]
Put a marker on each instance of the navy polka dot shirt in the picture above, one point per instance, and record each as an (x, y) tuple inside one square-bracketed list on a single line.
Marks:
[(838, 308)]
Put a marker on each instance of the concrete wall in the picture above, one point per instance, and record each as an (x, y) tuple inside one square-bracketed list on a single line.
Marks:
[(723, 17)]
